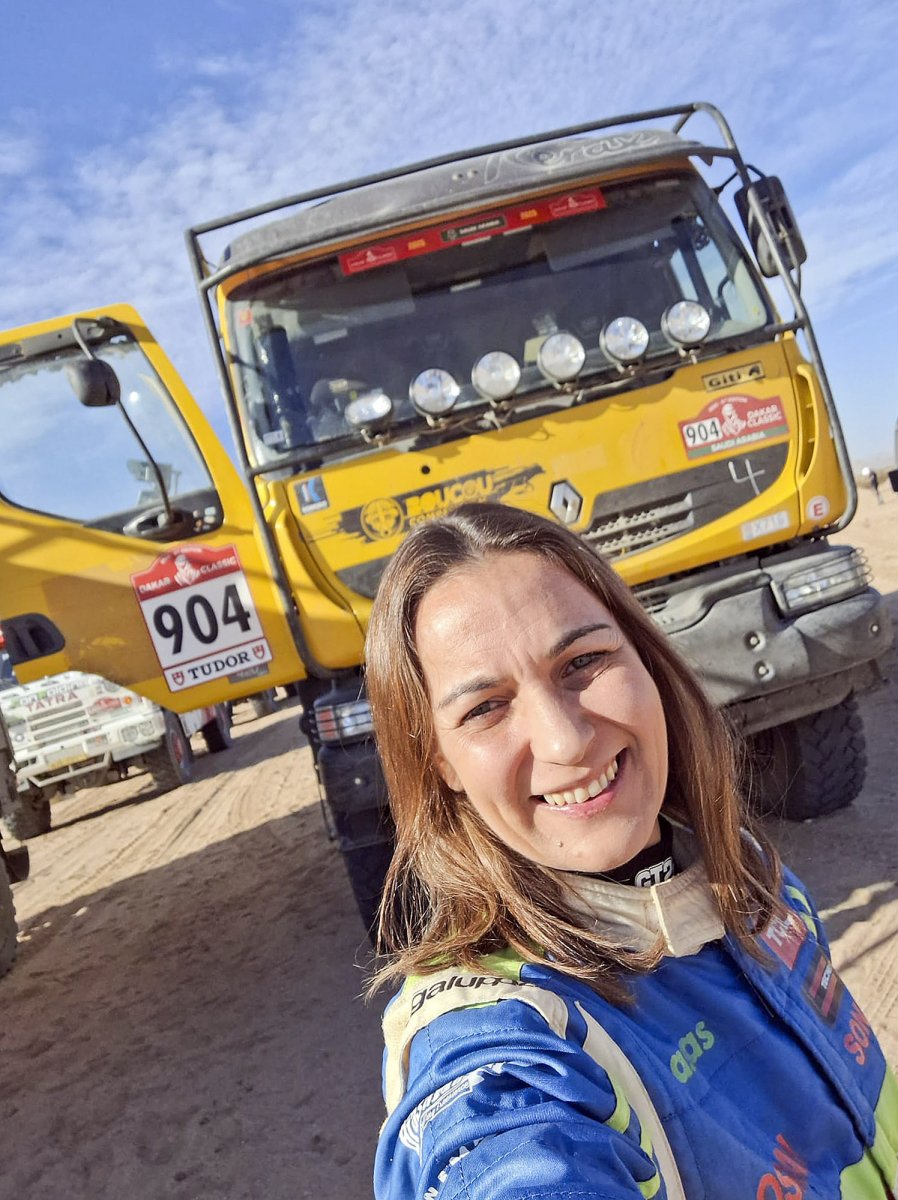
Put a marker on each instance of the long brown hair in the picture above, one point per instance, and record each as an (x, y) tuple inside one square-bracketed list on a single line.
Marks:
[(455, 891)]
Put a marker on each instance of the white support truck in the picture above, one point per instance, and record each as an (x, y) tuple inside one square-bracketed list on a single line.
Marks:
[(76, 730)]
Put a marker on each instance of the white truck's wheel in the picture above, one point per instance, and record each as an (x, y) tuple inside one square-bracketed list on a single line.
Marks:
[(171, 763), (217, 733)]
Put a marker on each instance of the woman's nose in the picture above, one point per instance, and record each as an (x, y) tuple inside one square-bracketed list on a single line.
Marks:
[(560, 729)]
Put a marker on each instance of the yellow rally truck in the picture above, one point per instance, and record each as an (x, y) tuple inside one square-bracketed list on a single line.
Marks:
[(567, 323)]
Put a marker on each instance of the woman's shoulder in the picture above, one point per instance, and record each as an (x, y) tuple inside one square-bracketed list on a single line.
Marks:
[(463, 1007)]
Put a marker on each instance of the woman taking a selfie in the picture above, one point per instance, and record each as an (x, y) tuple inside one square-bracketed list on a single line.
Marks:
[(610, 989)]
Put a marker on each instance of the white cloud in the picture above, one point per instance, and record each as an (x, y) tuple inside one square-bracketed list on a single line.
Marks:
[(205, 66), (19, 154)]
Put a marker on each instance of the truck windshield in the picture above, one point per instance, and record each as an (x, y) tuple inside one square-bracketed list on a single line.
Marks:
[(306, 338)]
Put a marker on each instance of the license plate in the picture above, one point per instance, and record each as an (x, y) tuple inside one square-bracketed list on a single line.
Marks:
[(64, 758)]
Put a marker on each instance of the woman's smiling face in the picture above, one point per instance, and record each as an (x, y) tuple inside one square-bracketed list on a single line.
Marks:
[(544, 714)]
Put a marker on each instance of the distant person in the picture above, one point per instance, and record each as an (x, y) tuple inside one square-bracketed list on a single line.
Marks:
[(874, 483), (610, 988)]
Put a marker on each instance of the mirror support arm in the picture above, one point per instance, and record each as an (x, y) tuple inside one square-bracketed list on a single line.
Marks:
[(154, 466)]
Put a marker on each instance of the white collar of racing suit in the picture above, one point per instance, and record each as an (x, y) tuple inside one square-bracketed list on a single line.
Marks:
[(682, 911)]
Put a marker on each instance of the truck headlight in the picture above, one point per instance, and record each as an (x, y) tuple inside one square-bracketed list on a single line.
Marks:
[(561, 357), (496, 375), (343, 722), (686, 323), (624, 340), (370, 412), (433, 392), (838, 576)]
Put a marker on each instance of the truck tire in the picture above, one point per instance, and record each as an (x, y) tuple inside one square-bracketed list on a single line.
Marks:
[(367, 869), (8, 945), (217, 733), (27, 816), (171, 763), (809, 767), (264, 703)]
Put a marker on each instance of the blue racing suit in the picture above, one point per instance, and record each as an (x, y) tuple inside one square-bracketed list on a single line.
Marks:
[(725, 1078)]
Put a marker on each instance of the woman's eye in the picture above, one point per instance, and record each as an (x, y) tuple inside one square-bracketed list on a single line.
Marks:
[(586, 660), (481, 710)]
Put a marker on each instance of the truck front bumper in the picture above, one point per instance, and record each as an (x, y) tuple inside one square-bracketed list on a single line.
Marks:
[(765, 665)]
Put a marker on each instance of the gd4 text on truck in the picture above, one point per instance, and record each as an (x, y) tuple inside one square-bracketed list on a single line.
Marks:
[(567, 323)]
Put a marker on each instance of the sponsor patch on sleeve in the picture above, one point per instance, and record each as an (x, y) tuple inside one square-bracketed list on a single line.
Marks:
[(785, 936), (823, 988), (411, 1132)]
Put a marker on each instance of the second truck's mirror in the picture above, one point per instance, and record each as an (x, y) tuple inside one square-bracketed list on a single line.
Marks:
[(771, 195)]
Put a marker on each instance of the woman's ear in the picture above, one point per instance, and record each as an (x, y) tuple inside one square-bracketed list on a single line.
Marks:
[(447, 772)]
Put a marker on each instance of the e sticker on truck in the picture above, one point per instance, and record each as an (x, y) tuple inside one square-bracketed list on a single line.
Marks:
[(732, 421), (200, 615)]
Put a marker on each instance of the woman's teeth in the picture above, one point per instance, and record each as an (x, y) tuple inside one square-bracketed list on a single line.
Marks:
[(588, 792)]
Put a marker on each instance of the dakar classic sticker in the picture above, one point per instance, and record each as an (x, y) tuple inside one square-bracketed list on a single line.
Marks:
[(200, 615), (732, 421), (389, 516)]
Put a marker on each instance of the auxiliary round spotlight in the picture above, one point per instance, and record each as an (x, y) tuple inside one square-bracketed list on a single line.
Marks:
[(686, 323), (561, 357), (624, 340), (433, 392), (370, 411), (496, 375)]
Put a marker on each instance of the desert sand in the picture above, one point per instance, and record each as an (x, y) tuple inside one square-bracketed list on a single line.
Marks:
[(185, 1020)]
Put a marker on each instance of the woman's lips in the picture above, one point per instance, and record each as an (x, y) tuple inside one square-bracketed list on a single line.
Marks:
[(591, 797)]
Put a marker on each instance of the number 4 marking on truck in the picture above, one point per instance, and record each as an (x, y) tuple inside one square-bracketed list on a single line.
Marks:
[(200, 615)]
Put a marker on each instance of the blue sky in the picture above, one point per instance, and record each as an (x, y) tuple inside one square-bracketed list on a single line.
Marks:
[(124, 124)]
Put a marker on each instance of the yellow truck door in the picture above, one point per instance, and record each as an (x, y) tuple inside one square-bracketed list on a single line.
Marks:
[(128, 543)]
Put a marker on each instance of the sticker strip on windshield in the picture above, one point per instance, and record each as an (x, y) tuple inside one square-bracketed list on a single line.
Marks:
[(484, 225)]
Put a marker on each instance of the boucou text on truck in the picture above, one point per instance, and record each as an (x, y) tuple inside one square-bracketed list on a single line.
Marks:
[(568, 323)]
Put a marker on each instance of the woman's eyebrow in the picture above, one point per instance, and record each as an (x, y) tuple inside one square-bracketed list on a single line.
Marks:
[(482, 684), (569, 638), (466, 689)]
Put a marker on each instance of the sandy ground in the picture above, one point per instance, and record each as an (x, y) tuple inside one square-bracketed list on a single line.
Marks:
[(184, 1019)]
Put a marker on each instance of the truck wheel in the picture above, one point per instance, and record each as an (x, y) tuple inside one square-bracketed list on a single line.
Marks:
[(367, 869), (171, 763), (217, 733), (7, 924), (811, 766), (27, 816), (264, 703)]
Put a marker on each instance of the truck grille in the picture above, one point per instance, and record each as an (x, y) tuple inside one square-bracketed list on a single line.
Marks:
[(627, 520), (636, 529), (57, 724)]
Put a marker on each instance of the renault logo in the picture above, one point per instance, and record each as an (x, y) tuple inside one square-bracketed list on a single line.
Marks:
[(565, 502)]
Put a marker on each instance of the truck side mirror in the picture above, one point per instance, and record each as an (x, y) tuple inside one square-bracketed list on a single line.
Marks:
[(94, 382), (771, 195)]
